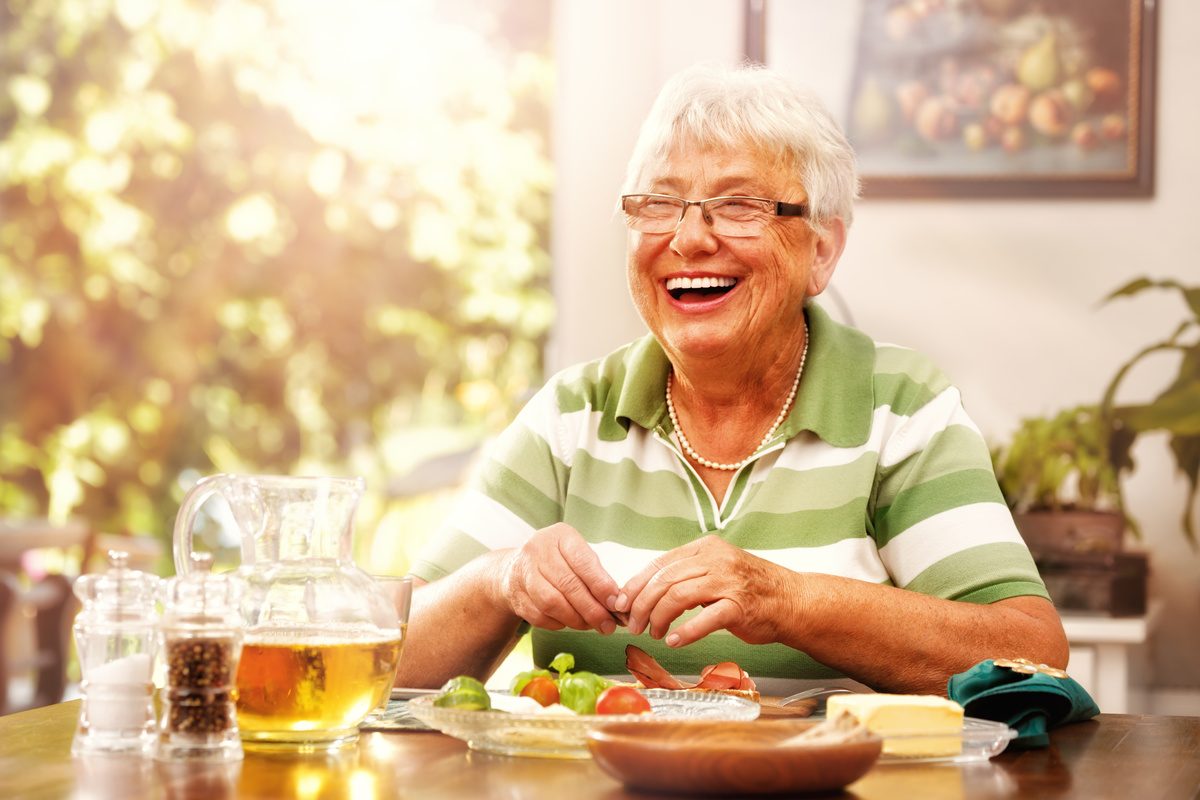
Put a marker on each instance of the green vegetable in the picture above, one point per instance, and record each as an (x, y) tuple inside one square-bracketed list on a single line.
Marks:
[(563, 663), (464, 692), (521, 679), (578, 691)]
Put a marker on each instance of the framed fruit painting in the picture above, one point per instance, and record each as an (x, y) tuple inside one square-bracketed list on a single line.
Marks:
[(978, 98)]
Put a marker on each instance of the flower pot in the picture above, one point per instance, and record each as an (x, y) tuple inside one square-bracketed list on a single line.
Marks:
[(1071, 531), (1105, 583)]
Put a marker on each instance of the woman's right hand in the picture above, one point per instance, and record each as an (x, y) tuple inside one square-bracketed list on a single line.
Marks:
[(555, 581)]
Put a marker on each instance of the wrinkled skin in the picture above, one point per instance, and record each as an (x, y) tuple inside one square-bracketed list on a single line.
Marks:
[(555, 581), (739, 592)]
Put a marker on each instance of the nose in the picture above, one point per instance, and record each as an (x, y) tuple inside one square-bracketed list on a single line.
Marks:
[(693, 235)]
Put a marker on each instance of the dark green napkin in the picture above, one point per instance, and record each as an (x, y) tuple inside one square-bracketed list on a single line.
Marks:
[(1032, 704)]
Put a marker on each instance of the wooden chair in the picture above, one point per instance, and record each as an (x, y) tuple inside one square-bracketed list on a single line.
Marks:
[(52, 606), (35, 622), (36, 611)]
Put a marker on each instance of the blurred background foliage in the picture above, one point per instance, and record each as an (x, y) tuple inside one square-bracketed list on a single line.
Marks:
[(282, 236)]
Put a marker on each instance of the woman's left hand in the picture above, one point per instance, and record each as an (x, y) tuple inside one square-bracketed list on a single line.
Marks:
[(740, 592)]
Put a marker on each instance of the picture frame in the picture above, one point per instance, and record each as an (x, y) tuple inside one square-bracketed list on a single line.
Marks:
[(978, 98)]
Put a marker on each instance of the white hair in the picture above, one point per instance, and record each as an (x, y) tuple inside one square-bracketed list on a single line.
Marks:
[(751, 106)]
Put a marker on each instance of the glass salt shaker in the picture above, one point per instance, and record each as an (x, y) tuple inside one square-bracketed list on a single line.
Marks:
[(115, 639), (200, 641)]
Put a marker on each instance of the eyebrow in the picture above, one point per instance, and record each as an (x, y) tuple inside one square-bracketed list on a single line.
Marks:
[(720, 189)]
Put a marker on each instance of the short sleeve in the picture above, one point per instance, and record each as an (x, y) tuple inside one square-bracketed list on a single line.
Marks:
[(516, 490), (940, 521)]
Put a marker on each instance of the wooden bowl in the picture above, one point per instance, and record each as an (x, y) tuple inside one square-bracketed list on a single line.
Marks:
[(727, 757)]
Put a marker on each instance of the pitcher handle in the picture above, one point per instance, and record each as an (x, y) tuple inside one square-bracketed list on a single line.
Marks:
[(186, 518)]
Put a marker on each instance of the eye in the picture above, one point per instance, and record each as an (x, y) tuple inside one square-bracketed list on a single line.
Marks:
[(656, 207), (739, 207)]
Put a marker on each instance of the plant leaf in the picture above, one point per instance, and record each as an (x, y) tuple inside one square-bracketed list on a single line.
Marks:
[(1176, 410), (1187, 458), (1191, 294), (1106, 403), (1120, 442), (1128, 290), (1193, 300)]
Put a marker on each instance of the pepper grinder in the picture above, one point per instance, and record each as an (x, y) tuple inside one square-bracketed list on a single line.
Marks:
[(115, 638), (201, 642)]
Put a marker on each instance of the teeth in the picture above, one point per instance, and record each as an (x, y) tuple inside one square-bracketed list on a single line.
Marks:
[(699, 283)]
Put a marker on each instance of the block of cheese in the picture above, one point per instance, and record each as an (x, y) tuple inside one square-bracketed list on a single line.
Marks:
[(909, 724)]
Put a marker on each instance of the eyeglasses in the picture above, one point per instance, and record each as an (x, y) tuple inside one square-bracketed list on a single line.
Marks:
[(728, 216)]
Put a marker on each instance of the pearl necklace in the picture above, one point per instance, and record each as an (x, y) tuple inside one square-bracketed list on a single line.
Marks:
[(787, 404)]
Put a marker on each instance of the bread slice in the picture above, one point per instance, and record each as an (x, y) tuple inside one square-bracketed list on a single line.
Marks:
[(748, 694)]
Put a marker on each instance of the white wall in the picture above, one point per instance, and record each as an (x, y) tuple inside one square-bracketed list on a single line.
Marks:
[(1003, 294), (612, 58)]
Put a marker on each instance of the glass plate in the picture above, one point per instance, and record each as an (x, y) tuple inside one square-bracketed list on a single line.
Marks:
[(981, 739), (566, 736)]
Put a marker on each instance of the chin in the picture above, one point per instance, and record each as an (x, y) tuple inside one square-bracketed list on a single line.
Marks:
[(698, 340)]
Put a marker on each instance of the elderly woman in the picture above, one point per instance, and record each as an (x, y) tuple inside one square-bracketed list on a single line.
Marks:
[(752, 482)]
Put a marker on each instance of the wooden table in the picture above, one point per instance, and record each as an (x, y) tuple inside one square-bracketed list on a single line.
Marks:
[(1115, 755)]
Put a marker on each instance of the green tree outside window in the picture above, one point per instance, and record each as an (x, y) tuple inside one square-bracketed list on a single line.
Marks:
[(277, 236)]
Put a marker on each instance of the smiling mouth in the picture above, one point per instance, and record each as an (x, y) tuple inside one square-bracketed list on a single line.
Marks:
[(691, 289)]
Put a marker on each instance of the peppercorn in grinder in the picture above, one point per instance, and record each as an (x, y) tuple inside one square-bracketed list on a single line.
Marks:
[(200, 640)]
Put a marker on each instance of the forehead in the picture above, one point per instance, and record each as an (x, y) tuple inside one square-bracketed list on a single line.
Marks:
[(700, 170)]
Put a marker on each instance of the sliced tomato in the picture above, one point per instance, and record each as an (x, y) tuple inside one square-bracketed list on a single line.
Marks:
[(622, 700), (542, 689)]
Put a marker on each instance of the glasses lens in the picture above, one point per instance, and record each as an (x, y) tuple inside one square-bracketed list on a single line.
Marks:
[(740, 216), (652, 213)]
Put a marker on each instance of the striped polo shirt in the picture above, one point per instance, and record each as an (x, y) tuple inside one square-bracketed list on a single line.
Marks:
[(877, 474)]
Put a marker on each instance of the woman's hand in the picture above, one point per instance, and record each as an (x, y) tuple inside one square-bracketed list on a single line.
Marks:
[(740, 592), (555, 581)]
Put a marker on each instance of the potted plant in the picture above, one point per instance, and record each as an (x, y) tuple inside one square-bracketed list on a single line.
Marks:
[(1057, 478), (1175, 410), (1061, 474), (1062, 487)]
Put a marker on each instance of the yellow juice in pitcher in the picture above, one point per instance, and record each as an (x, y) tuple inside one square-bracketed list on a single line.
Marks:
[(310, 691)]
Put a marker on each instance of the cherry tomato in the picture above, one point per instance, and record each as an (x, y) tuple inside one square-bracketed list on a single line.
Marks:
[(541, 689), (622, 700)]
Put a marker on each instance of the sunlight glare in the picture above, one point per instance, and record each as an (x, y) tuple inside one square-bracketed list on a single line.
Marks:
[(252, 217), (30, 93), (326, 171), (104, 131)]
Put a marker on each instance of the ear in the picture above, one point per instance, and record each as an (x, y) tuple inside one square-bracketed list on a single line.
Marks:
[(826, 252)]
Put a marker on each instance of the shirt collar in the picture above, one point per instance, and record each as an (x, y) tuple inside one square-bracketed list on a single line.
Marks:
[(643, 399), (835, 400)]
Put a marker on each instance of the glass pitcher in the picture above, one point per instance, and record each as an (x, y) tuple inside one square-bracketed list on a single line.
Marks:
[(321, 640)]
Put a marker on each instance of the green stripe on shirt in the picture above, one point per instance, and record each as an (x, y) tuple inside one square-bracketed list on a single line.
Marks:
[(593, 450)]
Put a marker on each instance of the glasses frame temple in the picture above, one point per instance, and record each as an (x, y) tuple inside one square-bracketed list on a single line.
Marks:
[(783, 209)]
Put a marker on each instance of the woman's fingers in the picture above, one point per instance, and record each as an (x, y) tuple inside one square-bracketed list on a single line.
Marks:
[(663, 595), (568, 598), (634, 586), (556, 580), (589, 587), (737, 590), (720, 615)]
